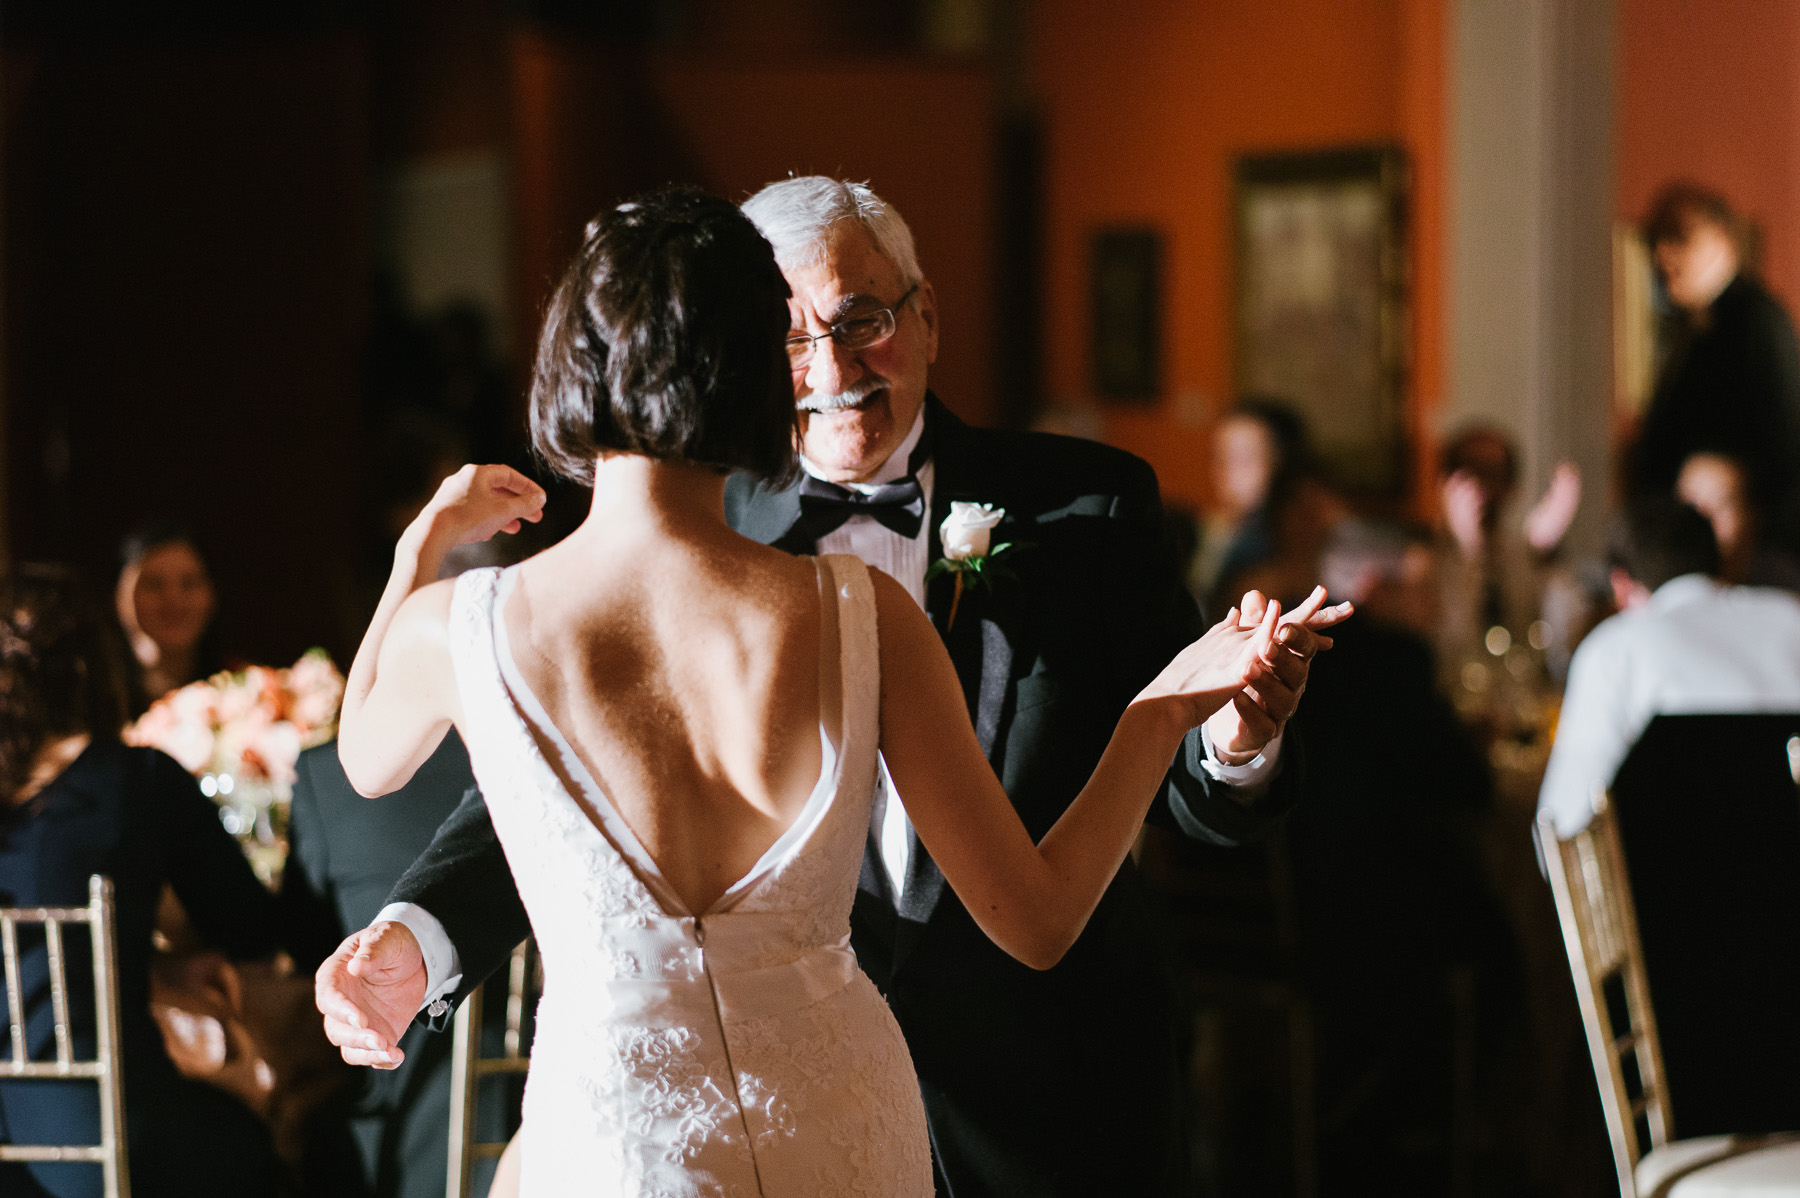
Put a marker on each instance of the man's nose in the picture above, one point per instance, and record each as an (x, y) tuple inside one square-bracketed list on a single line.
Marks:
[(832, 368)]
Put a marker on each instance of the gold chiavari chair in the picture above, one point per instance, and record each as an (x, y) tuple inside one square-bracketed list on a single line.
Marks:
[(1600, 931), (468, 1067), (105, 1067)]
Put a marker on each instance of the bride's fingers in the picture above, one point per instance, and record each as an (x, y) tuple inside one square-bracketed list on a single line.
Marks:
[(1331, 616), (1252, 606), (1311, 604), (1265, 632)]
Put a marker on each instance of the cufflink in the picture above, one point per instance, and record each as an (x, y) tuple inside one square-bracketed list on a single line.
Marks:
[(438, 1008)]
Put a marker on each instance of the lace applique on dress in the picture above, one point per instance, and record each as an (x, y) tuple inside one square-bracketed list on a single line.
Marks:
[(736, 1054)]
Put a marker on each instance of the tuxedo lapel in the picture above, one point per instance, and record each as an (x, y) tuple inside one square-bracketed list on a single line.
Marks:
[(765, 515), (976, 642)]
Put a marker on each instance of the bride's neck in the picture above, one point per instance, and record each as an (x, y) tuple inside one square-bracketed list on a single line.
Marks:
[(636, 496)]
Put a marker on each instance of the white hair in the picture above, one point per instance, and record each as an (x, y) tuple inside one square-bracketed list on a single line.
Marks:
[(798, 215)]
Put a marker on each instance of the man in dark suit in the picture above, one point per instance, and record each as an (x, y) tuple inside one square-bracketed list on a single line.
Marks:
[(1040, 1083), (347, 852)]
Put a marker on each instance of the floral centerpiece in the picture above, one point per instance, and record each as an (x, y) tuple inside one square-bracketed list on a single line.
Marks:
[(241, 733)]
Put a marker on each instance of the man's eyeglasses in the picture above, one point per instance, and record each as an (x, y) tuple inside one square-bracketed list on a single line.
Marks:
[(856, 332)]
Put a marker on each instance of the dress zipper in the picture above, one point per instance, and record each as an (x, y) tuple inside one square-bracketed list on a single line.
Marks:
[(725, 1041)]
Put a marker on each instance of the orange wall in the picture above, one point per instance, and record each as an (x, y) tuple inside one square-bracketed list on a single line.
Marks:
[(1712, 92), (1144, 118), (593, 126)]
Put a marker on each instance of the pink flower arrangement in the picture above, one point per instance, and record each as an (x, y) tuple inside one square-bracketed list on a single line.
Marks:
[(249, 725)]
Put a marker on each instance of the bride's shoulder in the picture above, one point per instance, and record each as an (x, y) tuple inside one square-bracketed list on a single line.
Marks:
[(426, 611)]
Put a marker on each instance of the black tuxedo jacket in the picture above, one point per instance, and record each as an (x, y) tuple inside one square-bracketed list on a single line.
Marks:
[(1035, 1083)]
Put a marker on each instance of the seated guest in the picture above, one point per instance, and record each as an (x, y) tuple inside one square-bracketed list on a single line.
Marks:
[(1493, 572), (166, 604), (1716, 485), (1276, 550), (1390, 895), (345, 854), (1683, 643), (76, 801), (1257, 447)]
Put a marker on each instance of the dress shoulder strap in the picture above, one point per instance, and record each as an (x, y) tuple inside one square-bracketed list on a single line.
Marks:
[(472, 656), (859, 659)]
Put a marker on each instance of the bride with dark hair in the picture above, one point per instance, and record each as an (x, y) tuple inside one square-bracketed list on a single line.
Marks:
[(677, 733)]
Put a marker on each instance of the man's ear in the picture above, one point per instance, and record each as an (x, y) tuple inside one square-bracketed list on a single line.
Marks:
[(927, 302), (1627, 591)]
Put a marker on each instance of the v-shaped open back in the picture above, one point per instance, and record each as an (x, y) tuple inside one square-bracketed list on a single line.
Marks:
[(668, 1056), (579, 784)]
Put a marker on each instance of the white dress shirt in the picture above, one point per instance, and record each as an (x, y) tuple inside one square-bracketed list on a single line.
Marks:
[(1698, 647), (904, 559)]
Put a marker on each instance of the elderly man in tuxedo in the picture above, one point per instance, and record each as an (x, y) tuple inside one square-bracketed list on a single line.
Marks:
[(1043, 1083)]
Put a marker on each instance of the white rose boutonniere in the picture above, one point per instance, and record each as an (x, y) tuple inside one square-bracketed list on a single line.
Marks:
[(969, 553)]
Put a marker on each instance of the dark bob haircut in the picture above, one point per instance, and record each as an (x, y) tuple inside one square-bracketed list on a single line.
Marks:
[(664, 338), (1658, 537)]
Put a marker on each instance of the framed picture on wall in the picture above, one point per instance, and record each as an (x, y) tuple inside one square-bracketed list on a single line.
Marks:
[(1321, 304), (1125, 267)]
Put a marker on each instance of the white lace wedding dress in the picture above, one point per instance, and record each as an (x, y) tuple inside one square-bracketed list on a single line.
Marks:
[(734, 1053)]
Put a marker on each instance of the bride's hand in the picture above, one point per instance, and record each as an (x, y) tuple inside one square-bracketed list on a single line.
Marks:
[(1204, 676), (474, 504), (1256, 715)]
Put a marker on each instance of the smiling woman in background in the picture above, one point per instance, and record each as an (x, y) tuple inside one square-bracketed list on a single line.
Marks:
[(166, 604)]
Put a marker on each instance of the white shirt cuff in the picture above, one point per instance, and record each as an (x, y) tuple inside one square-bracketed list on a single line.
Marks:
[(1251, 779), (443, 969)]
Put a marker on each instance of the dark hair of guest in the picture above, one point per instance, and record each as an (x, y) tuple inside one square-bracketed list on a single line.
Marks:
[(1464, 452), (664, 338), (154, 535), (1681, 202), (59, 669), (1658, 537), (209, 654)]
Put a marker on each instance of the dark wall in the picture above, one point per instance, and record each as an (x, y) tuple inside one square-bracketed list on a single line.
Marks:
[(187, 266)]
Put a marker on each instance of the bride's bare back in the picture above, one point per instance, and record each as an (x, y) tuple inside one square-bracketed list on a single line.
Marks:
[(685, 676)]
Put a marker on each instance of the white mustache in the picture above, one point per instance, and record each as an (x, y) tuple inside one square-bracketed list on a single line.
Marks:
[(838, 402)]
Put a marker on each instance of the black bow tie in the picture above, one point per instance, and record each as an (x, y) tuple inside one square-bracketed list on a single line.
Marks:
[(824, 506)]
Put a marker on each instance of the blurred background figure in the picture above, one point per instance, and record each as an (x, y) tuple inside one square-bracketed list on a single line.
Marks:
[(1493, 572), (1276, 509), (1714, 484), (166, 604), (76, 801), (1683, 643), (1256, 448), (1406, 951), (1730, 382)]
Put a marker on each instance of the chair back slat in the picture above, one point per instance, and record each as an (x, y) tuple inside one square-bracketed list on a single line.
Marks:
[(59, 993), (105, 1067), (15, 992), (1599, 925)]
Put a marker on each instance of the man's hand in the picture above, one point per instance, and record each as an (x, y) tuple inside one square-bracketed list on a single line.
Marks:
[(369, 991), (1242, 728)]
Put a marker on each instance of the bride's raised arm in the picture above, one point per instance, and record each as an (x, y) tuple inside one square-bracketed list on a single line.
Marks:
[(1034, 900), (400, 697)]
